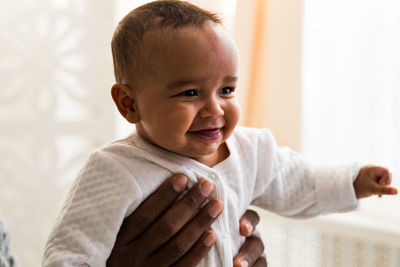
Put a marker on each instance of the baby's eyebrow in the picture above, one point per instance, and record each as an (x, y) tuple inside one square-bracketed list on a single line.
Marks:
[(230, 79), (182, 83)]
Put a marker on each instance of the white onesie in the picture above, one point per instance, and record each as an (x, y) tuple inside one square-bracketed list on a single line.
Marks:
[(119, 176)]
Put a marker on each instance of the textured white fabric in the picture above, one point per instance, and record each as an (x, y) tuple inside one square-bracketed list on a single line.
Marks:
[(118, 177)]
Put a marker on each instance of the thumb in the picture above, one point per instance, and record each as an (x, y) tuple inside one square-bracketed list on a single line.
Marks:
[(384, 190), (248, 222)]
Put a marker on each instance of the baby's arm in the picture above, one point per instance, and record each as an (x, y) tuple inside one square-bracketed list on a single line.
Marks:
[(373, 180)]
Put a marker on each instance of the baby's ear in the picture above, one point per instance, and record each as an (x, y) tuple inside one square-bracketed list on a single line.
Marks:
[(124, 99)]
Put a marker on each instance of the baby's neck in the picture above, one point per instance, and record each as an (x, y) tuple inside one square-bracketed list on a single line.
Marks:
[(221, 155)]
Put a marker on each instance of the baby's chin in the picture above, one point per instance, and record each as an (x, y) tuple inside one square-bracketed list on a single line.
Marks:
[(211, 157)]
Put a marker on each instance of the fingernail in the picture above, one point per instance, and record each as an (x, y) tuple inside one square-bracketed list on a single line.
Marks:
[(206, 187), (180, 183), (244, 263), (215, 208), (249, 227), (209, 240), (393, 191)]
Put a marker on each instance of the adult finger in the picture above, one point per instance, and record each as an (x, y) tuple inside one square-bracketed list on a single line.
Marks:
[(248, 222), (187, 237), (249, 253), (385, 190), (261, 262), (176, 216), (151, 208), (198, 251)]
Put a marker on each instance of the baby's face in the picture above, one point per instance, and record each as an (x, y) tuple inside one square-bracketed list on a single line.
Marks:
[(188, 104)]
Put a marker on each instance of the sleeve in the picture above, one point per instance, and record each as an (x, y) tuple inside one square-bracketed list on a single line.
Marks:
[(287, 184), (85, 231)]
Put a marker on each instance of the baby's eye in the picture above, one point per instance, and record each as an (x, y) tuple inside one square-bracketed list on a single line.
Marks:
[(227, 90), (188, 93)]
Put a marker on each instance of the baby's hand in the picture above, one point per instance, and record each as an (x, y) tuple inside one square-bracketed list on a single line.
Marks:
[(373, 180)]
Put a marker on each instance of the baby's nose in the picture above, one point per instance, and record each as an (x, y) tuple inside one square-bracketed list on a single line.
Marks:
[(211, 108)]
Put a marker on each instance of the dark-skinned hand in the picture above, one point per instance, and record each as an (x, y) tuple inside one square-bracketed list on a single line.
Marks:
[(162, 232)]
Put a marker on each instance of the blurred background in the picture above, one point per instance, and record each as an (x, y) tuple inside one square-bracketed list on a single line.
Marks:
[(323, 75)]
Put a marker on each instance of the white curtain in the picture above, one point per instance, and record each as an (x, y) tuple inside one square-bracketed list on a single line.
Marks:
[(55, 107), (351, 89)]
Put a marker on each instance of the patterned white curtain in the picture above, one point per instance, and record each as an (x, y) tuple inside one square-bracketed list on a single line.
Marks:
[(55, 76)]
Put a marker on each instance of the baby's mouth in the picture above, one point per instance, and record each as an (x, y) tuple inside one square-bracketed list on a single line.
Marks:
[(207, 134)]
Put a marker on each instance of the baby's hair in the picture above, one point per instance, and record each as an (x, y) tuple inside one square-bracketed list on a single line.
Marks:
[(129, 33)]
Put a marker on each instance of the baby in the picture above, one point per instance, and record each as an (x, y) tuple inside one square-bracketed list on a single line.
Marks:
[(176, 74)]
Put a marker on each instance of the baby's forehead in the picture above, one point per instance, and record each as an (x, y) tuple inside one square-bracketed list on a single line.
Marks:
[(165, 38), (186, 41), (169, 33), (186, 50)]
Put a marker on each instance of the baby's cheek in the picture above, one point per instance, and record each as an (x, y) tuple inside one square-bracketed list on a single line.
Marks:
[(233, 115)]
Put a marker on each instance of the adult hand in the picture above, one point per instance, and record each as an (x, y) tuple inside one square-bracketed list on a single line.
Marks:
[(251, 252), (158, 234)]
